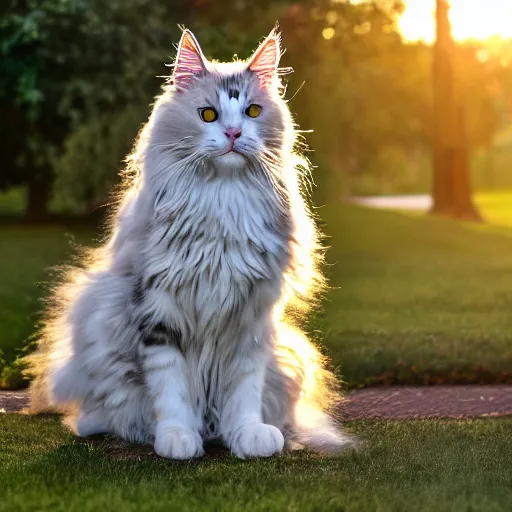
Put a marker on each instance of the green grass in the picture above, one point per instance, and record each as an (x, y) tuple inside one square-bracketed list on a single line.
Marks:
[(418, 299), (402, 466), (415, 299), (496, 207), (27, 255)]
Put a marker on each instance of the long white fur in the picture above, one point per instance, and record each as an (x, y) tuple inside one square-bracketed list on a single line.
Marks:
[(209, 255)]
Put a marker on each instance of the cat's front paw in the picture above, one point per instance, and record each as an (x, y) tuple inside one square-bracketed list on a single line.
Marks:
[(178, 443), (257, 440)]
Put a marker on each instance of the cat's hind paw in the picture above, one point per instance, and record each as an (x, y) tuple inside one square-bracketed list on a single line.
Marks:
[(178, 443), (92, 423), (257, 440)]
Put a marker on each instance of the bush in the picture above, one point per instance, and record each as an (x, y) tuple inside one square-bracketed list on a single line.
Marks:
[(92, 158), (11, 375)]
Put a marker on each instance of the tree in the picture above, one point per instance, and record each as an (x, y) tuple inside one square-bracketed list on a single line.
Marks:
[(65, 61), (77, 78), (365, 93), (451, 190)]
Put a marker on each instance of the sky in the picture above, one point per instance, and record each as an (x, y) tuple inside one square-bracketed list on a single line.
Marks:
[(471, 19)]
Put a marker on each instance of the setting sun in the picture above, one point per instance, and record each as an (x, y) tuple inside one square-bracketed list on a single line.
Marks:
[(471, 19)]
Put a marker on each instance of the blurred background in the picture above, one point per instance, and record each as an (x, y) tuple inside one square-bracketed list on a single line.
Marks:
[(77, 78), (409, 103)]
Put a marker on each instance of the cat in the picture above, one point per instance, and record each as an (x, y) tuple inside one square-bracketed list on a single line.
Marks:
[(179, 329)]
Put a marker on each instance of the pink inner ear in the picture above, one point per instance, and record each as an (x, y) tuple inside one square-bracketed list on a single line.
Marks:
[(264, 62), (189, 61)]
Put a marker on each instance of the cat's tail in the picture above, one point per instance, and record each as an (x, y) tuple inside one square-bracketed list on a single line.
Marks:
[(48, 366), (314, 394), (319, 431)]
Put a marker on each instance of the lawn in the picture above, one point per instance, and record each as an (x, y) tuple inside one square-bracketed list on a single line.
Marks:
[(28, 258), (418, 299), (403, 466), (414, 299)]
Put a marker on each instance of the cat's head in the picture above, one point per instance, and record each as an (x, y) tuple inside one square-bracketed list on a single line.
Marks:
[(225, 115)]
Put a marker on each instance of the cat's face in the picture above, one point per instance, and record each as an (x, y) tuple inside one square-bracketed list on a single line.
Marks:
[(225, 114)]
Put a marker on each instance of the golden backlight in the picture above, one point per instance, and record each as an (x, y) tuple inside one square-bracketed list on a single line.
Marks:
[(471, 19)]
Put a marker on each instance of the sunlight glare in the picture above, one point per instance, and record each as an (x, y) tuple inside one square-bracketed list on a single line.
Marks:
[(471, 19)]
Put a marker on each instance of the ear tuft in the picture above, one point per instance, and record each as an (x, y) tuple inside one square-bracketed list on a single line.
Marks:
[(190, 61), (265, 60)]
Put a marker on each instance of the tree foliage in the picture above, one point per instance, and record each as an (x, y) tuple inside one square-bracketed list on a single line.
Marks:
[(77, 78), (65, 62)]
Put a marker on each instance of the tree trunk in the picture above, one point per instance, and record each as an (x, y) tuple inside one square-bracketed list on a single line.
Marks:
[(38, 195), (451, 190), (489, 166), (463, 206)]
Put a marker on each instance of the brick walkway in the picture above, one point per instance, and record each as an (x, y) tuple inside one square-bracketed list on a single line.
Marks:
[(389, 403), (428, 402)]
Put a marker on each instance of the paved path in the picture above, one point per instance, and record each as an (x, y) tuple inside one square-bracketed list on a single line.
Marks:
[(428, 402), (389, 403), (13, 401), (411, 202)]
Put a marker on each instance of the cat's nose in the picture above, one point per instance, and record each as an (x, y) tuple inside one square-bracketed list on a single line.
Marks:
[(233, 133)]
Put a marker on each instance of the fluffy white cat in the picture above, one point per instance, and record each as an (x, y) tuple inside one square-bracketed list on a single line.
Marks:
[(174, 332)]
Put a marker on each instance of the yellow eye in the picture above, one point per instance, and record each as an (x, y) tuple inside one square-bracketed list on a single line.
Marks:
[(208, 115), (253, 110)]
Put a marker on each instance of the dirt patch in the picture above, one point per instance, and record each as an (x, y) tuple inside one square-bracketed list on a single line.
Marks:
[(119, 449)]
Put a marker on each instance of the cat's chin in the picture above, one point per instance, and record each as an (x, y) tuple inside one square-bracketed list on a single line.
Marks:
[(230, 161)]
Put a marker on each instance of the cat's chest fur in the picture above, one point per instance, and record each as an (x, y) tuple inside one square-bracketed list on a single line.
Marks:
[(226, 250)]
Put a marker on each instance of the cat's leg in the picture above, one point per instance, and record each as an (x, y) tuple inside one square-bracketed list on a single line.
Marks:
[(242, 426), (176, 430)]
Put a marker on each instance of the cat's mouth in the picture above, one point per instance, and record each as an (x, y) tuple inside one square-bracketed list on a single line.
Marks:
[(230, 149), (231, 158)]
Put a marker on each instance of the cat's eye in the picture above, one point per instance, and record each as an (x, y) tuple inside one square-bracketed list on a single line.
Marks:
[(253, 110), (208, 114)]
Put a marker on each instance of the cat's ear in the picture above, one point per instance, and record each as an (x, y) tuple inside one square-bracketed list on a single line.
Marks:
[(265, 60), (190, 61)]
